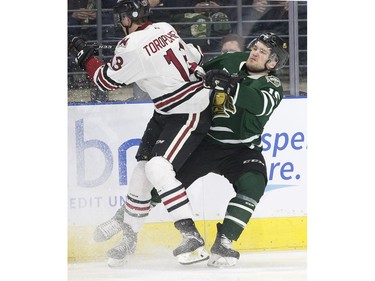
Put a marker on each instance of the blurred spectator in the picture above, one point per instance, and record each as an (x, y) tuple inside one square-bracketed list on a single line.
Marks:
[(192, 25), (158, 14), (154, 3), (272, 16), (232, 43), (81, 15), (232, 12), (82, 22), (195, 20), (258, 16)]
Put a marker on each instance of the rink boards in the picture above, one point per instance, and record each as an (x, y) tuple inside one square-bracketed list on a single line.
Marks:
[(260, 235), (102, 142)]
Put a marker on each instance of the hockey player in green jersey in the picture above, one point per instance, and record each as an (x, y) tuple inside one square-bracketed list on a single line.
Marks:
[(232, 147)]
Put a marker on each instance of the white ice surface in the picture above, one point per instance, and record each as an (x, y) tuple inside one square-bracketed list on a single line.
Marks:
[(252, 266)]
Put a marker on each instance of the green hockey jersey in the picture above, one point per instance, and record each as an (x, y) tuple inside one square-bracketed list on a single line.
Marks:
[(240, 120)]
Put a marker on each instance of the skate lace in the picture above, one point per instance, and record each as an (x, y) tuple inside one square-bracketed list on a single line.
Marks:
[(110, 227), (188, 236), (226, 242)]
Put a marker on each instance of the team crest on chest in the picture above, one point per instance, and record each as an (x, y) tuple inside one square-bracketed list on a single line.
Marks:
[(274, 80), (222, 104)]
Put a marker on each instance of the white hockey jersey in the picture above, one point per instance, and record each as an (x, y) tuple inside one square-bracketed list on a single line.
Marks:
[(162, 64)]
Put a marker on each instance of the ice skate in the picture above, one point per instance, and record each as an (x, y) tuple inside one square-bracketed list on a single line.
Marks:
[(191, 249), (118, 255), (108, 229), (222, 254)]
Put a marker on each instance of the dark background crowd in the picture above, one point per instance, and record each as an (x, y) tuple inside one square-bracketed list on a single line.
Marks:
[(213, 25)]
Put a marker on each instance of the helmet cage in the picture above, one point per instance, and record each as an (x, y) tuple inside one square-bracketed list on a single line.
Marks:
[(277, 46)]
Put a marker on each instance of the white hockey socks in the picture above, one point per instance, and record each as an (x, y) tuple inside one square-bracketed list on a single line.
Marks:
[(173, 195), (138, 199)]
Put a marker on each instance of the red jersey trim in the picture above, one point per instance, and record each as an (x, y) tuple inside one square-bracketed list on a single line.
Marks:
[(92, 64)]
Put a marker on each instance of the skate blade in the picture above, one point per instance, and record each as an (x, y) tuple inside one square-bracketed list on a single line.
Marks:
[(198, 255), (116, 263), (219, 261)]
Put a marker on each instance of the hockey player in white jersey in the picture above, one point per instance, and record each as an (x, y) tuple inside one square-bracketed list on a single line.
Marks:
[(162, 64), (233, 146)]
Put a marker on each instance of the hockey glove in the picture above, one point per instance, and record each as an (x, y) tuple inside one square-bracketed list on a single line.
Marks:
[(221, 80), (199, 73), (80, 51), (196, 72)]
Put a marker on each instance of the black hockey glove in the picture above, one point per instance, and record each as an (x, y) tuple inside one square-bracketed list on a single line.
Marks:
[(80, 51), (221, 80)]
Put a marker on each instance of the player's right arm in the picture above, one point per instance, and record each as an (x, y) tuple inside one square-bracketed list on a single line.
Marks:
[(97, 70)]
